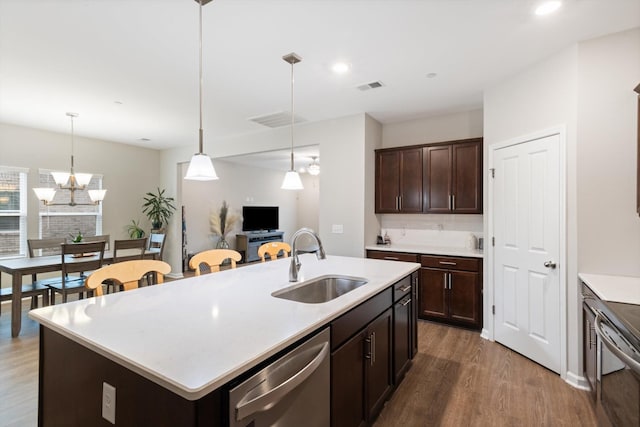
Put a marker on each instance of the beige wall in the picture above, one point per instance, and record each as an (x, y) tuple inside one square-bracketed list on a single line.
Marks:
[(308, 202), (608, 225)]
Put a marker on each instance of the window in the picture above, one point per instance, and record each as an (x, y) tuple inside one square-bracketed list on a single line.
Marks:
[(64, 220), (13, 212)]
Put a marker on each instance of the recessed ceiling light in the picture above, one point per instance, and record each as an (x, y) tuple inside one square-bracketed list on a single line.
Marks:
[(432, 75), (144, 139), (117, 102), (340, 67), (548, 7)]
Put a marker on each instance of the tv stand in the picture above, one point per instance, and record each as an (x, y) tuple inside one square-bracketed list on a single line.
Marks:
[(249, 242)]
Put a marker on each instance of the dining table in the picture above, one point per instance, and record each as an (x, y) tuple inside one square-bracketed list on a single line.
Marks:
[(19, 267)]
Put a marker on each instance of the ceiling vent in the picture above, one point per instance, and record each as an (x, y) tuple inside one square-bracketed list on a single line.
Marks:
[(372, 85), (276, 120)]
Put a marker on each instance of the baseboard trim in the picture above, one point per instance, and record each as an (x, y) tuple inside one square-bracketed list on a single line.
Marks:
[(174, 275), (485, 334), (577, 381)]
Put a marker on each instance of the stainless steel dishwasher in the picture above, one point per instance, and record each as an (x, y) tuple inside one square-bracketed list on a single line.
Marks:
[(292, 391)]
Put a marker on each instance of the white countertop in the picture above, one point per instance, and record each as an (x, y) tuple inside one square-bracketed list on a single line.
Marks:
[(428, 250), (192, 336), (624, 289)]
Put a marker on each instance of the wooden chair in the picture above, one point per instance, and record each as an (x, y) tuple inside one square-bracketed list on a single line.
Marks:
[(273, 249), (103, 237), (75, 283), (127, 274), (127, 250), (213, 259), (156, 243)]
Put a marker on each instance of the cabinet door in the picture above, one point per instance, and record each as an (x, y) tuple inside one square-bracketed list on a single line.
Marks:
[(387, 190), (466, 179), (432, 293), (402, 338), (348, 383), (590, 354), (379, 382), (411, 180), (437, 179), (464, 297)]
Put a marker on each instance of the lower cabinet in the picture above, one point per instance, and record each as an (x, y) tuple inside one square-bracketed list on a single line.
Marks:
[(450, 290)]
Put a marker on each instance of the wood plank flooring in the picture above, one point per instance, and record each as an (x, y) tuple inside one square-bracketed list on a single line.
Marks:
[(457, 379)]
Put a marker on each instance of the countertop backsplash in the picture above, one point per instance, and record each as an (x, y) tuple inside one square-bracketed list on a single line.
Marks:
[(432, 230)]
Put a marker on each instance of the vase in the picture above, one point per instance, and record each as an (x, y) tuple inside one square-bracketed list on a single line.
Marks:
[(222, 244)]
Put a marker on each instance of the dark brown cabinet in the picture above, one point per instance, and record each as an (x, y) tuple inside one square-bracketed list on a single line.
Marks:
[(361, 379), (404, 327), (453, 177), (589, 343), (432, 178), (450, 290), (399, 181)]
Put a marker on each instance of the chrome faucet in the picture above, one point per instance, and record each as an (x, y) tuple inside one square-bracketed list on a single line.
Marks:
[(295, 261)]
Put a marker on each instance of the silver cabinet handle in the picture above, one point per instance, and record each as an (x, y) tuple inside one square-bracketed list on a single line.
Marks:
[(447, 263), (550, 264), (277, 393), (369, 354), (405, 288), (392, 258), (446, 282), (450, 281), (400, 203), (449, 201), (613, 348), (404, 304), (453, 202), (373, 348)]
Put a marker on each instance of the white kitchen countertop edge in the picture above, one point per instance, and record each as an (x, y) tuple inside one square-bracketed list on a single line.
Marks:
[(117, 310), (625, 289), (428, 250)]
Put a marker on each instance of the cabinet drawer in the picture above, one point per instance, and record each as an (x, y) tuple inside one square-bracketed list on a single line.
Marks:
[(402, 288), (450, 263), (345, 326), (393, 256)]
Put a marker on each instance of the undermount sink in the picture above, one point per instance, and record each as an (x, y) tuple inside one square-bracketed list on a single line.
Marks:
[(321, 289)]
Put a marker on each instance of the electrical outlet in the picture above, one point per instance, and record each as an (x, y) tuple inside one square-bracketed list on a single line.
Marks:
[(337, 228), (109, 402)]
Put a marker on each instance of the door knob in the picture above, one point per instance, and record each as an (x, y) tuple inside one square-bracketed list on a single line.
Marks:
[(550, 264)]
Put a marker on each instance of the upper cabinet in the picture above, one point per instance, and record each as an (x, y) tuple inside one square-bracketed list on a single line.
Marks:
[(399, 180), (434, 178)]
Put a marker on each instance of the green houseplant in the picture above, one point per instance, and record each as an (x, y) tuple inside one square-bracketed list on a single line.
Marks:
[(158, 208), (134, 230)]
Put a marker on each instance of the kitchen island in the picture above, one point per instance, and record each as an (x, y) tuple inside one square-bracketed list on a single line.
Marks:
[(174, 346)]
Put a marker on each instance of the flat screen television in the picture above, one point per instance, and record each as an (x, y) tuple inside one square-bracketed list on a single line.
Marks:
[(259, 218)]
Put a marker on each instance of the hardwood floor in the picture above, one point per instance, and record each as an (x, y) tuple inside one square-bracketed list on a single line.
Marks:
[(457, 379)]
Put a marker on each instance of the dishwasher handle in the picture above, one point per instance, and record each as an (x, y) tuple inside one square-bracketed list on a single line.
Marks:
[(608, 342), (276, 394)]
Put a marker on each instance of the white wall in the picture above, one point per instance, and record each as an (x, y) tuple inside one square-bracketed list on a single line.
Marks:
[(373, 141), (308, 202), (129, 172), (341, 183), (608, 225), (251, 187)]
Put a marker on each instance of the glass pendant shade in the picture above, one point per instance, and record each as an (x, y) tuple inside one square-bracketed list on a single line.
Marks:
[(82, 179), (97, 195), (60, 178), (201, 168), (314, 167), (292, 181), (45, 194)]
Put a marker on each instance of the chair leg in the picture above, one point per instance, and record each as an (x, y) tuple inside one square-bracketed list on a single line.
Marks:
[(45, 299), (34, 302)]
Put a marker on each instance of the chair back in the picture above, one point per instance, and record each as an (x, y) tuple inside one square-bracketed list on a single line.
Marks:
[(76, 259), (127, 273), (273, 249), (45, 246), (105, 237), (213, 258), (129, 249), (156, 243)]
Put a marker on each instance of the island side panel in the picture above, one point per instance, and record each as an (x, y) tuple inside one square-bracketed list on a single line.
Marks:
[(70, 391)]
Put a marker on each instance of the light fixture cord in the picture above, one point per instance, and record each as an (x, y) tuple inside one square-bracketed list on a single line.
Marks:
[(292, 115), (201, 136), (71, 117)]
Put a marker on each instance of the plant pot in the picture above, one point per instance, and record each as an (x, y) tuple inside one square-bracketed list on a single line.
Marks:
[(156, 225)]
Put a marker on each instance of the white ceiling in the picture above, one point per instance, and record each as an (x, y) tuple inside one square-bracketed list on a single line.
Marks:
[(130, 67)]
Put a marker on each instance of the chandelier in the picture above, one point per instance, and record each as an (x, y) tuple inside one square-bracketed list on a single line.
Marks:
[(314, 167), (70, 181)]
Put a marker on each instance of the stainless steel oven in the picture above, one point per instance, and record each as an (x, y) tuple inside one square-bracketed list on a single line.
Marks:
[(618, 385)]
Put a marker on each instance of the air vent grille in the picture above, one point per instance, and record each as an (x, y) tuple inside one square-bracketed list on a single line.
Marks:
[(371, 85), (276, 120)]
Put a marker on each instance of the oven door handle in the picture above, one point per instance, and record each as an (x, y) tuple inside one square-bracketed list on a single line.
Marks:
[(624, 357)]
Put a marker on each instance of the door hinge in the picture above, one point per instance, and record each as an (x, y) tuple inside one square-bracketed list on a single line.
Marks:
[(493, 309), (493, 172), (493, 241)]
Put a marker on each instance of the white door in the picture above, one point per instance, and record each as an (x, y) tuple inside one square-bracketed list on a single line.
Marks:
[(526, 203)]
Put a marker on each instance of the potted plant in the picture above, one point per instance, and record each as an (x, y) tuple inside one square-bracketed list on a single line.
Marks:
[(134, 230), (158, 208)]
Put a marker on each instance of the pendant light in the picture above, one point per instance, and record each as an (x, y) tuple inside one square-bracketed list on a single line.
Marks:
[(292, 178), (201, 166), (77, 182), (314, 167)]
